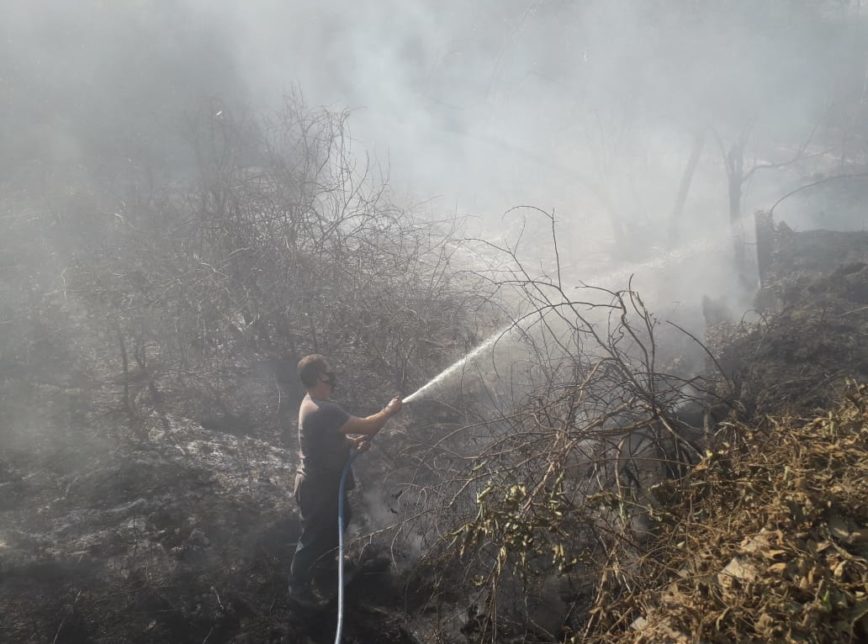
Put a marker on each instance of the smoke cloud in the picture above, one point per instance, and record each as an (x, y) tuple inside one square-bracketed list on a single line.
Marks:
[(589, 110)]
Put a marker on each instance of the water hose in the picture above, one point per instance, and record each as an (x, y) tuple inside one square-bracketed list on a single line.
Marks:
[(341, 493)]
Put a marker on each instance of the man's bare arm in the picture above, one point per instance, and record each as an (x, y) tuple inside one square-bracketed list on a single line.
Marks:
[(372, 424)]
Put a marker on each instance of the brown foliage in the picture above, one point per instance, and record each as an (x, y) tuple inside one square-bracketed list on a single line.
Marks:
[(765, 539)]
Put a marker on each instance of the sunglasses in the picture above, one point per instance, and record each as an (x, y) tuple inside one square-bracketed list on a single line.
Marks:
[(329, 378)]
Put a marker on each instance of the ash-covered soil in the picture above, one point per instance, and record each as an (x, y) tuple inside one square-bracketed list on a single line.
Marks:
[(813, 326), (183, 536), (156, 529)]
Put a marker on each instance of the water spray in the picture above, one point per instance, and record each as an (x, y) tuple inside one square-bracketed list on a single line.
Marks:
[(657, 262), (682, 253), (454, 368)]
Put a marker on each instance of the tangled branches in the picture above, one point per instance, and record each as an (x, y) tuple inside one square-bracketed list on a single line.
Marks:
[(765, 539), (284, 243), (549, 488)]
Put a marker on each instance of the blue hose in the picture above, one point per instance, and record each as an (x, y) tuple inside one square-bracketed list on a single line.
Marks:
[(341, 493)]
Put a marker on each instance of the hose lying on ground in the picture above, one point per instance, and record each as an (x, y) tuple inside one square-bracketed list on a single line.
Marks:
[(341, 493)]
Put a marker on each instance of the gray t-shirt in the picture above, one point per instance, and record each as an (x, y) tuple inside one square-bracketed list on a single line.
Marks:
[(323, 448)]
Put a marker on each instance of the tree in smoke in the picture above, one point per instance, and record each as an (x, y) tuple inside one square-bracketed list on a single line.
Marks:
[(285, 245)]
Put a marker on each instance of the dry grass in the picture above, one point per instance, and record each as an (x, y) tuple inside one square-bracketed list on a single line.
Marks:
[(766, 539)]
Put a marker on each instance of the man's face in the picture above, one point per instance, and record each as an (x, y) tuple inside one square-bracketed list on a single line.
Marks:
[(328, 377)]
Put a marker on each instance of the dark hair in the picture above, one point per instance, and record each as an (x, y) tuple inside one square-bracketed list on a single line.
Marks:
[(311, 368)]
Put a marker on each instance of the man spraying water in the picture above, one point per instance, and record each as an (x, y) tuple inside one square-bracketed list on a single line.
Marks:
[(326, 435)]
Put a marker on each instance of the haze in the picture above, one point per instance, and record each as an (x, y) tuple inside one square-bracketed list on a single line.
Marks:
[(479, 105)]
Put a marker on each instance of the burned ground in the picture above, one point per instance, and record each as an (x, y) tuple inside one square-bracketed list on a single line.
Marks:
[(812, 329), (177, 523), (765, 538), (181, 538)]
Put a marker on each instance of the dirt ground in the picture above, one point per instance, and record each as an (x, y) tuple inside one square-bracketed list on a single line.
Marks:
[(184, 534)]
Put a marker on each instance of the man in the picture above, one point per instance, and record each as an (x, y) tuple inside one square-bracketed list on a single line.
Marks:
[(326, 435)]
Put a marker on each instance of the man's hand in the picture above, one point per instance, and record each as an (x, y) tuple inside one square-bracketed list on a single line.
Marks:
[(370, 425), (360, 443), (394, 406)]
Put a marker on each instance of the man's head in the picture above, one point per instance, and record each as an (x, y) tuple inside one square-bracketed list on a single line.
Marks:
[(316, 375)]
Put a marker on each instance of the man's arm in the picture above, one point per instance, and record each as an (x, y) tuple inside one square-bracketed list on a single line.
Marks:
[(370, 425)]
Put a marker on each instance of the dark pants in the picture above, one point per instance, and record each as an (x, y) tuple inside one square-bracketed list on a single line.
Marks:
[(318, 542)]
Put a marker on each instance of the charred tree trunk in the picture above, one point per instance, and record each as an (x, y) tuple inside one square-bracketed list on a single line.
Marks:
[(734, 161), (765, 230), (125, 363), (684, 187)]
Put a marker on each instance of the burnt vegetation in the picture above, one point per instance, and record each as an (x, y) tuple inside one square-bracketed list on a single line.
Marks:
[(163, 351), (601, 472)]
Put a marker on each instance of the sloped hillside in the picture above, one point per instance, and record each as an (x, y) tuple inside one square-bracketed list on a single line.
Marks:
[(765, 540)]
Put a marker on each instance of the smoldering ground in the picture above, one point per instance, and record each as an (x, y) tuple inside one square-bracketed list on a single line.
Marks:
[(135, 138)]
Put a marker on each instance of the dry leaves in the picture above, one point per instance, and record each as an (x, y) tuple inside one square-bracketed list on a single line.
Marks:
[(769, 537)]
